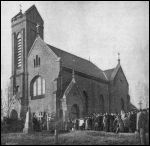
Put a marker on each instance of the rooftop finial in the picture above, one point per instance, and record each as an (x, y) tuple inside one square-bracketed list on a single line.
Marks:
[(37, 29), (20, 7), (118, 57)]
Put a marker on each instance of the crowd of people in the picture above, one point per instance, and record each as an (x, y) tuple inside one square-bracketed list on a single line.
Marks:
[(124, 122), (104, 122), (133, 121)]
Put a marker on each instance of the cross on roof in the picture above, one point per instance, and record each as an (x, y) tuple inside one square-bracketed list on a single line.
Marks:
[(118, 54), (20, 7), (118, 57)]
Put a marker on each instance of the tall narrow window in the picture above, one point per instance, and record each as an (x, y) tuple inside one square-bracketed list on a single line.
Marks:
[(36, 60), (86, 101), (39, 86), (34, 89), (43, 86), (39, 61), (101, 104)]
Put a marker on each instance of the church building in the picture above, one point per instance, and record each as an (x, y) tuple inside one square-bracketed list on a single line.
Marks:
[(49, 80)]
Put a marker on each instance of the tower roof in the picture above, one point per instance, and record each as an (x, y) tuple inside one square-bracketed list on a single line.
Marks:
[(20, 14), (33, 7)]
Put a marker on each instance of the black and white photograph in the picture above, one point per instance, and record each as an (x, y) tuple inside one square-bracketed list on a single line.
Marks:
[(74, 72)]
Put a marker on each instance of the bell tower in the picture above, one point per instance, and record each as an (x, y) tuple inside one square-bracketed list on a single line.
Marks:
[(24, 33)]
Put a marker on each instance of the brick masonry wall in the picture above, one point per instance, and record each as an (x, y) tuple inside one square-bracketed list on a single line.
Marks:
[(93, 88), (49, 70), (118, 90)]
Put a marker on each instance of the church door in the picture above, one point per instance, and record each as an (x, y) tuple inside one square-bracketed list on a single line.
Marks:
[(74, 111)]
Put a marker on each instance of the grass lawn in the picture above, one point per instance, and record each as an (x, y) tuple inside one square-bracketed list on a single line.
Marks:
[(72, 138)]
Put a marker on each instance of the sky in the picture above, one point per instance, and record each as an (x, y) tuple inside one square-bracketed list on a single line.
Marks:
[(91, 29)]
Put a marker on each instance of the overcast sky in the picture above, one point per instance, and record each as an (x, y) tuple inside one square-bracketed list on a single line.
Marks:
[(98, 30)]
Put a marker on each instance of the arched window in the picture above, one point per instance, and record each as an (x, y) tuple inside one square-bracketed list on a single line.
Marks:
[(37, 87)]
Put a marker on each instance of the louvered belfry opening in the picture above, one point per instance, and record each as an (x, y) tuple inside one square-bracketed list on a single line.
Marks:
[(19, 50)]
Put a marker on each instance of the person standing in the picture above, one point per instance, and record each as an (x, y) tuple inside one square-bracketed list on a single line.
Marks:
[(132, 121), (141, 127), (105, 123), (86, 124), (115, 123), (120, 126), (126, 123)]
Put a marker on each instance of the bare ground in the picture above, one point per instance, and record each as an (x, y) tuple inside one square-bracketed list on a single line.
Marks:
[(72, 138)]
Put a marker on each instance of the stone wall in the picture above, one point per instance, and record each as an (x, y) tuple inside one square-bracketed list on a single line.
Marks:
[(118, 91), (49, 70), (93, 89)]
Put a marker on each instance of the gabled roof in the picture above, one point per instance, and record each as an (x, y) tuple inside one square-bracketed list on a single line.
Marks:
[(38, 39), (132, 107), (115, 72), (70, 86), (111, 73), (76, 63)]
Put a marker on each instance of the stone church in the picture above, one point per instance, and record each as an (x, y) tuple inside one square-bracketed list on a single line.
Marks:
[(50, 80)]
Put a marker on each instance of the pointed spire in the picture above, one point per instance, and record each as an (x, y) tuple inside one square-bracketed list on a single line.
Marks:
[(37, 29), (118, 58)]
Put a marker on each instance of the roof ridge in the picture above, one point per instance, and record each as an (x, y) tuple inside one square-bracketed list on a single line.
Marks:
[(80, 64), (115, 71), (75, 56), (68, 52), (109, 69), (30, 8)]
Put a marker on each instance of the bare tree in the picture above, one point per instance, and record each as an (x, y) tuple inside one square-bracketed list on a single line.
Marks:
[(7, 101)]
